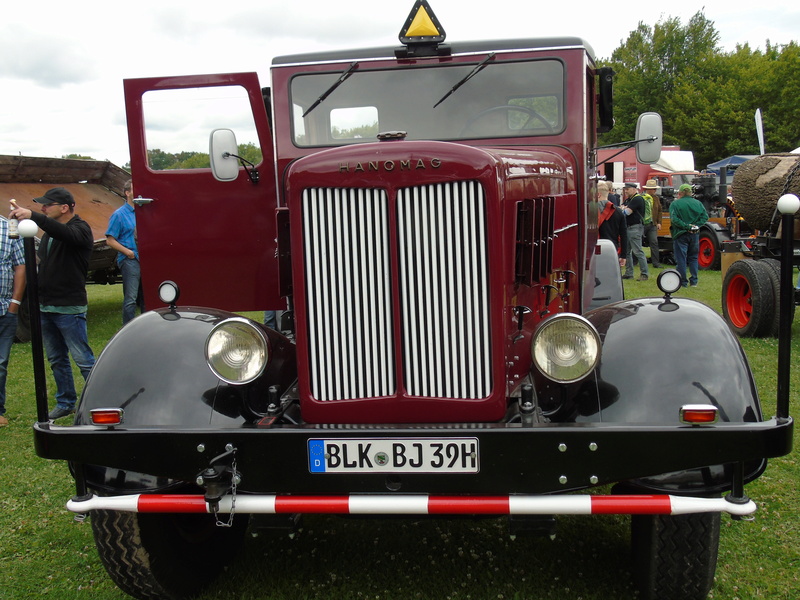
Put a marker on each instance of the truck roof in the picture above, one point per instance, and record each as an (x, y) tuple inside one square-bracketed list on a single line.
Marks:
[(456, 48)]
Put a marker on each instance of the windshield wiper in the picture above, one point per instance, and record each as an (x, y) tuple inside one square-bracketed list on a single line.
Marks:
[(336, 84), (471, 74)]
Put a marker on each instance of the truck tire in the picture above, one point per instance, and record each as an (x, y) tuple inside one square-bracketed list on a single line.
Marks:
[(748, 298), (164, 556), (675, 556), (775, 276), (708, 257)]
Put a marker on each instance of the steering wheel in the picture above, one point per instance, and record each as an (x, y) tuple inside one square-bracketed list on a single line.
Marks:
[(532, 116)]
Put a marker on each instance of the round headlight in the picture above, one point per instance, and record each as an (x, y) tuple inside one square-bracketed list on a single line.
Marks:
[(669, 281), (237, 351), (168, 292), (566, 348)]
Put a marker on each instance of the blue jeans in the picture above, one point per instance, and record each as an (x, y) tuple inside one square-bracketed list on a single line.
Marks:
[(686, 248), (8, 329), (131, 288), (635, 233), (64, 335)]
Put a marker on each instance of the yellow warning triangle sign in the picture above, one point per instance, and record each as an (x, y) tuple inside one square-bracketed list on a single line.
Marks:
[(422, 26)]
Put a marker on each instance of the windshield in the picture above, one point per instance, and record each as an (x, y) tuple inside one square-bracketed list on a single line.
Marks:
[(501, 99)]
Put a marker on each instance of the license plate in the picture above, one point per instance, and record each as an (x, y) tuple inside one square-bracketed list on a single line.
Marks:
[(401, 455)]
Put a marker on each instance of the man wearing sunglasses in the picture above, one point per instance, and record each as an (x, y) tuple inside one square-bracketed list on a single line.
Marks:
[(63, 262)]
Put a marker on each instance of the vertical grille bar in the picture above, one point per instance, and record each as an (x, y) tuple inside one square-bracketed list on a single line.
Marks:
[(444, 290), (348, 282)]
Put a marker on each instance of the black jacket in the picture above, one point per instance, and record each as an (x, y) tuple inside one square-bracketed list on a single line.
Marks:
[(636, 204), (64, 262)]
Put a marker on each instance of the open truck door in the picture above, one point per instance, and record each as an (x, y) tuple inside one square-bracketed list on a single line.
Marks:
[(214, 237)]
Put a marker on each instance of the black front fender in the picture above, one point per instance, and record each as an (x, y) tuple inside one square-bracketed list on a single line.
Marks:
[(155, 370), (659, 355)]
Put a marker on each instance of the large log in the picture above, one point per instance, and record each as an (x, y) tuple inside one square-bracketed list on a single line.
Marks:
[(759, 183)]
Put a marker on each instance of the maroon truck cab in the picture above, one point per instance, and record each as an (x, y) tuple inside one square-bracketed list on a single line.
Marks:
[(454, 337)]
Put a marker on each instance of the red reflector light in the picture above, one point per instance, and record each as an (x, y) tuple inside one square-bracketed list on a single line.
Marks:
[(699, 414), (106, 416)]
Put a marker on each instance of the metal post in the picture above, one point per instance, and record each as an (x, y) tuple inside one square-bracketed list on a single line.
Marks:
[(787, 205), (37, 346)]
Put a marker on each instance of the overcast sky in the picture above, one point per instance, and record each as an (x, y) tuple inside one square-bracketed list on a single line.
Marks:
[(62, 63)]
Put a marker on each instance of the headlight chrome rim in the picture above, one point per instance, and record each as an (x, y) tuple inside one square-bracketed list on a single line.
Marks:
[(566, 348), (237, 351)]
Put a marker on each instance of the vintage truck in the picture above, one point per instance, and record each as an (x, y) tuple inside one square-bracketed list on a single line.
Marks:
[(752, 276), (457, 341)]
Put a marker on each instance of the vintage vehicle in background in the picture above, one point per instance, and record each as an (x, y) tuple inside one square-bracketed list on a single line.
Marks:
[(623, 165), (751, 263), (456, 341)]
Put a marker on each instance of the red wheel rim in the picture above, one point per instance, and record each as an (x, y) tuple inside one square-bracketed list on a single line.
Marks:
[(739, 301), (705, 256)]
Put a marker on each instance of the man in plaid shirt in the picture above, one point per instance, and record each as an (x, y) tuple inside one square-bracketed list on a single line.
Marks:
[(12, 286)]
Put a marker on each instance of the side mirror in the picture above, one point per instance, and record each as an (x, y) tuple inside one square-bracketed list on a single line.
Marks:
[(222, 151), (649, 138), (606, 102)]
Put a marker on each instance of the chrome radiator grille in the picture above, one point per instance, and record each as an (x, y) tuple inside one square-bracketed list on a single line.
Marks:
[(443, 292)]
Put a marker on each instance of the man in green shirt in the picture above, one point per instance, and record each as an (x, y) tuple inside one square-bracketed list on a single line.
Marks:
[(686, 215)]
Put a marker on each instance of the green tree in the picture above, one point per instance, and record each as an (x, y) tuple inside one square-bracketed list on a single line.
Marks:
[(251, 152), (159, 160), (194, 160), (651, 63), (713, 108), (706, 97), (782, 107), (367, 132)]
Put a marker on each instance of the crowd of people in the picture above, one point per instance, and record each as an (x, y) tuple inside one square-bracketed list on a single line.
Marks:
[(636, 216), (63, 261)]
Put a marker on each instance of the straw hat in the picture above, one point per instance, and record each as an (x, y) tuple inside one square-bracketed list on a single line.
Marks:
[(651, 185)]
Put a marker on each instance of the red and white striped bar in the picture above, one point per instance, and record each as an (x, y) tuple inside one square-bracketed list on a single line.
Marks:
[(418, 504)]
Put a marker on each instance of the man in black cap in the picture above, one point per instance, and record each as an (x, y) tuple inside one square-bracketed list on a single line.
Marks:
[(63, 262), (634, 208)]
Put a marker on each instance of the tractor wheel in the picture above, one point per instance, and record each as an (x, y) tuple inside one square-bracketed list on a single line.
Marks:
[(675, 557), (164, 556), (748, 298), (775, 277), (708, 257)]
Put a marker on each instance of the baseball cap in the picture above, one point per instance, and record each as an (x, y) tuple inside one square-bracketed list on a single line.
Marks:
[(57, 195), (685, 187)]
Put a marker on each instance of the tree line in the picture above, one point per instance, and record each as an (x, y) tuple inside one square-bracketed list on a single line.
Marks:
[(706, 97), (161, 161)]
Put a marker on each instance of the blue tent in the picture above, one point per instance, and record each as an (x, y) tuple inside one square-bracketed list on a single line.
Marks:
[(731, 162)]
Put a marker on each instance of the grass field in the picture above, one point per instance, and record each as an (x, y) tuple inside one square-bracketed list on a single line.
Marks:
[(45, 554)]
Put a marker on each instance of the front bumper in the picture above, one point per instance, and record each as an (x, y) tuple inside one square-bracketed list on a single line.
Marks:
[(514, 459)]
